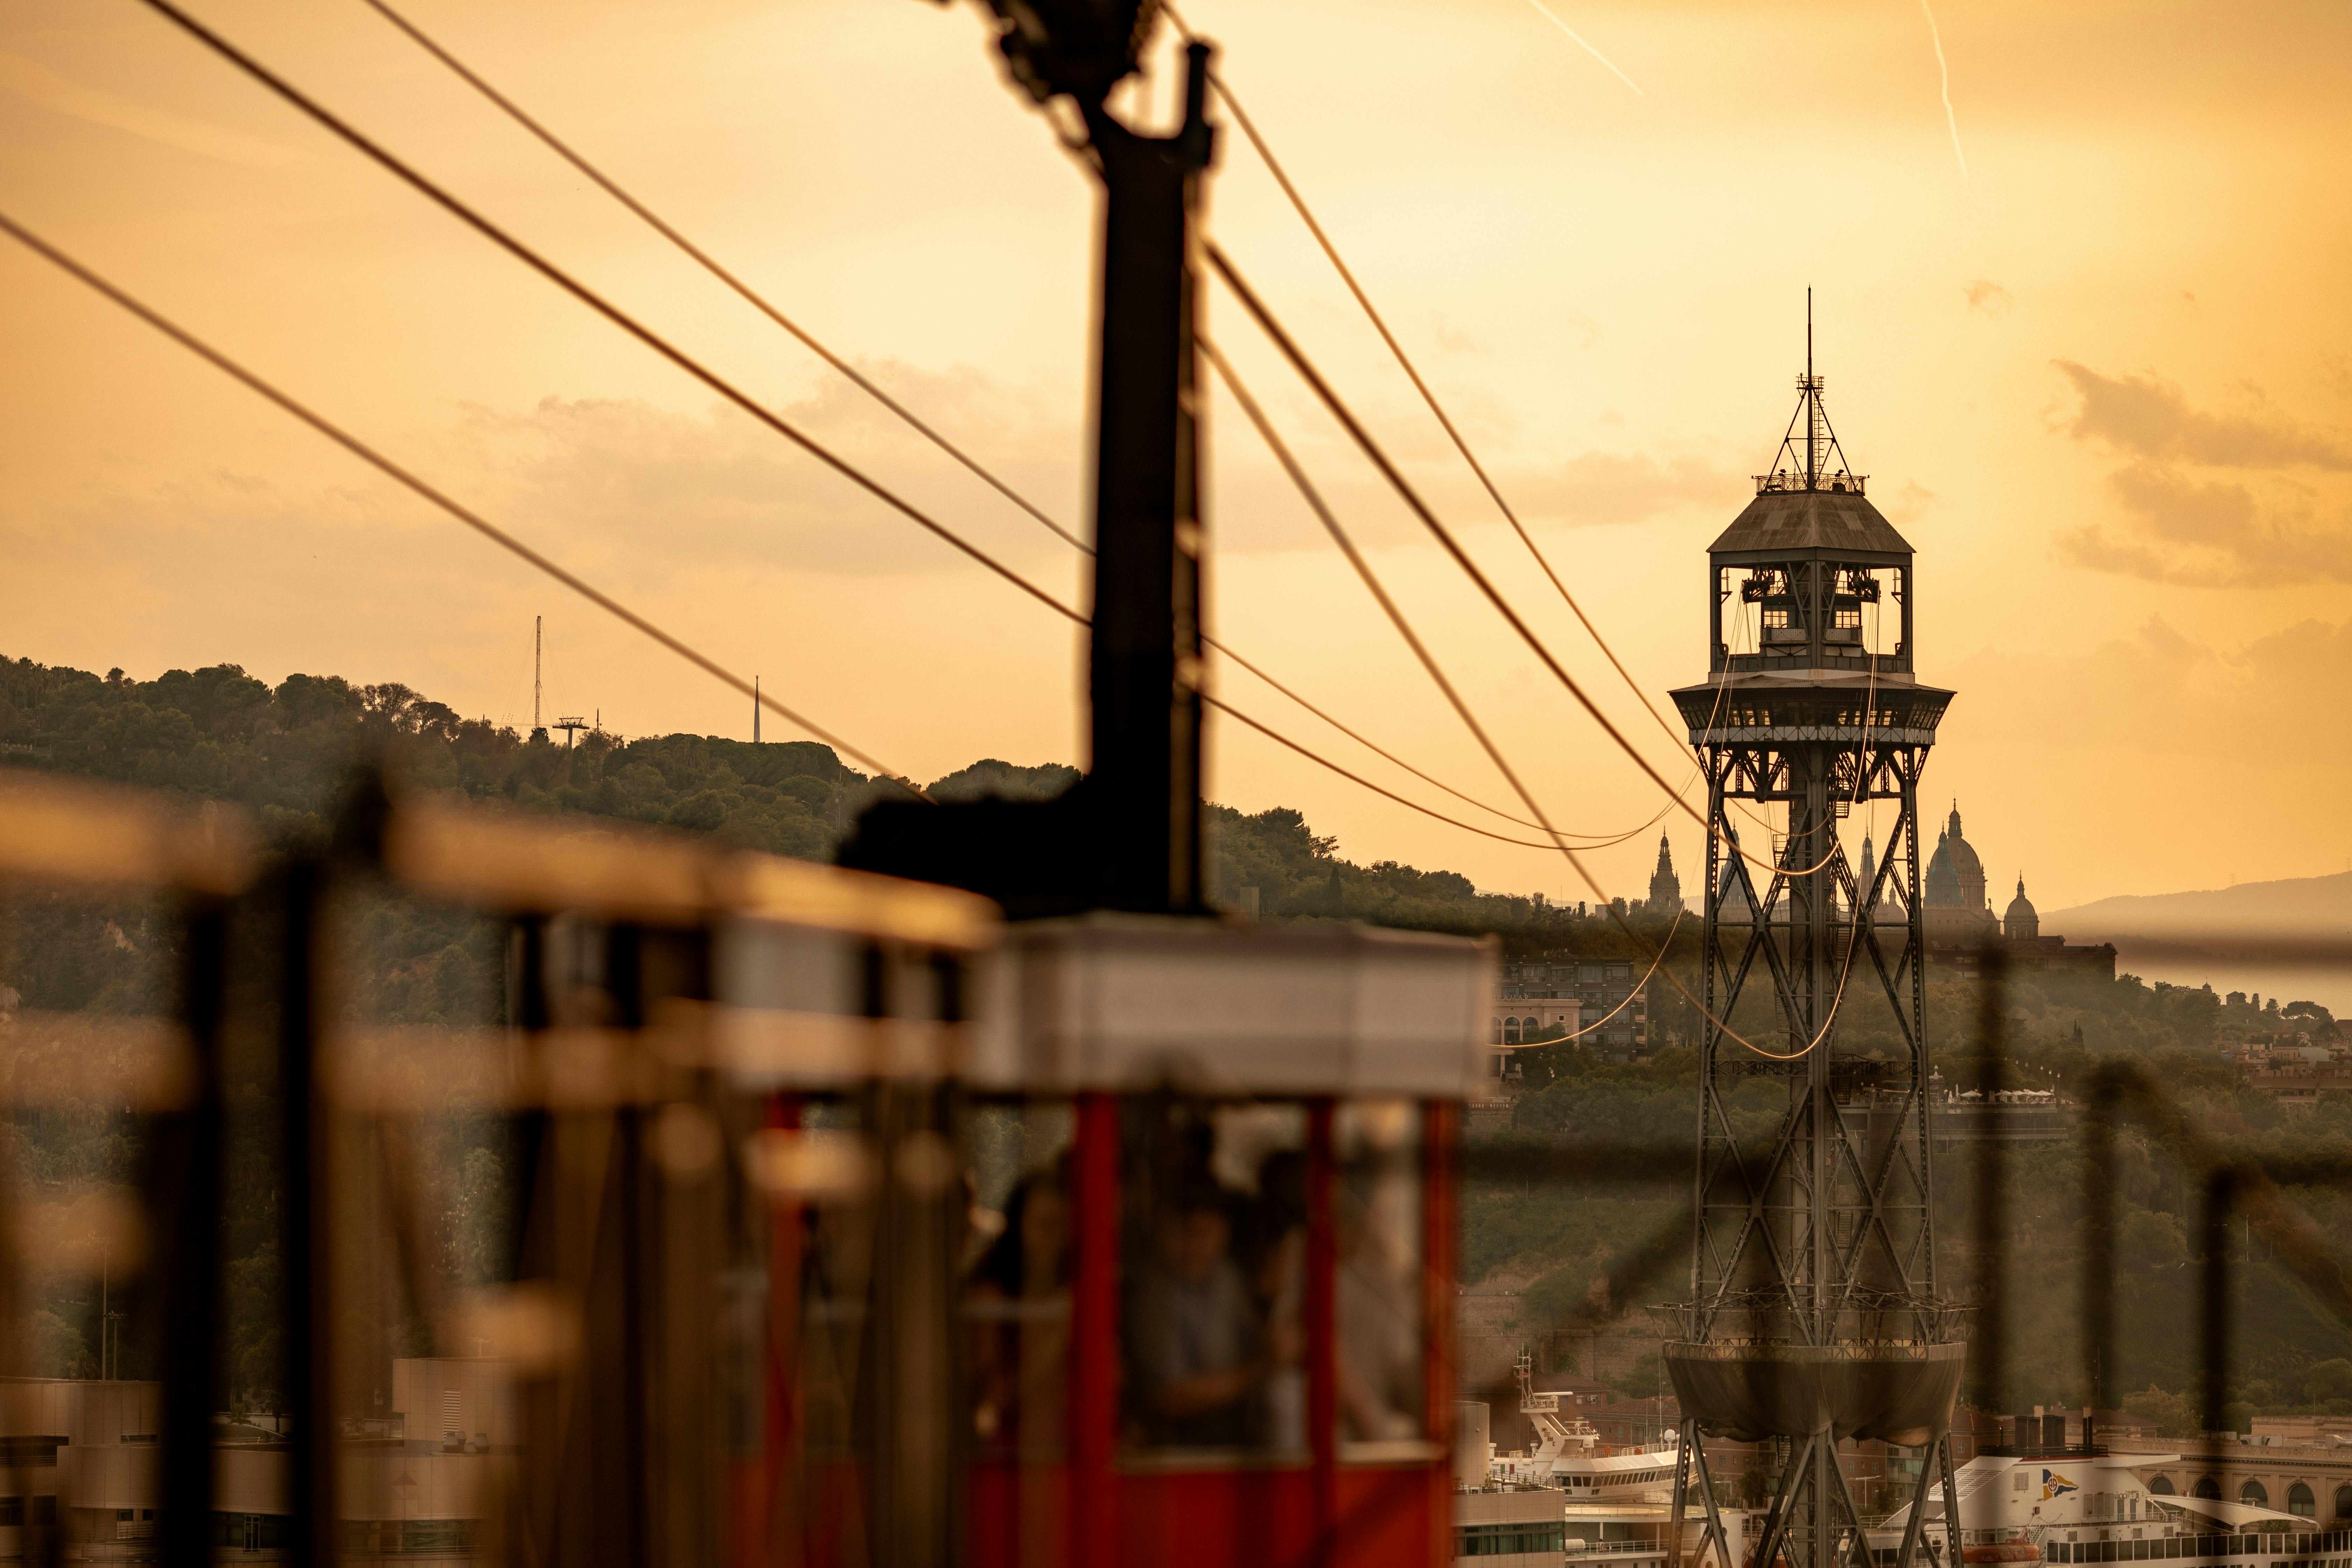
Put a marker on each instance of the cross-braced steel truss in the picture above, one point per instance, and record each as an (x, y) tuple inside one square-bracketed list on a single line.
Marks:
[(1816, 1229)]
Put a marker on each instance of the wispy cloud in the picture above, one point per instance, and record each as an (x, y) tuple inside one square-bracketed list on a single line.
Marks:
[(1987, 295), (2217, 501), (1582, 44), (1936, 35), (1599, 488), (37, 83), (2151, 417)]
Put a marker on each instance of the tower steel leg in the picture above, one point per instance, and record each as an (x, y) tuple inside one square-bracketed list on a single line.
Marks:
[(1682, 1486), (1952, 1558), (1715, 1531), (1776, 1517), (1912, 1531)]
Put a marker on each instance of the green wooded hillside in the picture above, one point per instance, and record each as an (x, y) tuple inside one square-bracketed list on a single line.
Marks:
[(284, 752)]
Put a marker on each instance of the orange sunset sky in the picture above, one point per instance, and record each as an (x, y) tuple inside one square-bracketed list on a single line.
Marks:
[(2099, 373)]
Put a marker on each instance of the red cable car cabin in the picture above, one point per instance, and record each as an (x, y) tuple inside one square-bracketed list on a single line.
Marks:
[(1139, 1250)]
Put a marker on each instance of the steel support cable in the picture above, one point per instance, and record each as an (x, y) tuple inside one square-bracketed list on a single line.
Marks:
[(1265, 427), (711, 265), (676, 356), (471, 518), (1372, 450), (1305, 486), (767, 308), (1436, 673), (1313, 756), (1371, 582), (1404, 361), (620, 318), (683, 360), (548, 269), (1853, 935), (284, 401), (1383, 752)]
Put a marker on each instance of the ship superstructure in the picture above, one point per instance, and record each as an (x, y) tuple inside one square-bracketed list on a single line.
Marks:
[(1569, 1454), (2077, 1505)]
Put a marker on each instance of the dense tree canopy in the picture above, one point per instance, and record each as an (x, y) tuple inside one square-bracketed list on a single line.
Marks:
[(285, 754)]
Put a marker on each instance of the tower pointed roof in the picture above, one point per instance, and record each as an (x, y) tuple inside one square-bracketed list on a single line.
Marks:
[(1779, 521)]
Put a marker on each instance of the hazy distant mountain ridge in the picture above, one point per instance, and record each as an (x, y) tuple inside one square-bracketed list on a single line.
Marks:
[(2218, 936), (2296, 906)]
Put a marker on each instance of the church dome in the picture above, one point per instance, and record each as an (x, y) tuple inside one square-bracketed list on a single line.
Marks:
[(1968, 871), (2021, 920), (1943, 877)]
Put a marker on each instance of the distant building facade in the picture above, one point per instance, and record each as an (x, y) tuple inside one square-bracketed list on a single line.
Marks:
[(1960, 921), (1605, 1005)]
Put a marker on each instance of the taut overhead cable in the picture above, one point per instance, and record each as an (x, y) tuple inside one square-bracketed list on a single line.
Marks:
[(466, 515), (767, 308), (1657, 954), (711, 265), (1389, 606), (1307, 372), (581, 291), (1413, 373)]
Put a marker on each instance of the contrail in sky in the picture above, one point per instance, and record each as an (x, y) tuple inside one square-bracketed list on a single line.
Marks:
[(1949, 117), (1596, 54)]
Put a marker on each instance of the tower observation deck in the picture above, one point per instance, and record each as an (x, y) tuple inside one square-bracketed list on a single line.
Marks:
[(1814, 1314)]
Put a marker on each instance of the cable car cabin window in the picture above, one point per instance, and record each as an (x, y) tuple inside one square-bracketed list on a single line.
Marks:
[(1379, 1357), (1214, 1269), (1016, 1303)]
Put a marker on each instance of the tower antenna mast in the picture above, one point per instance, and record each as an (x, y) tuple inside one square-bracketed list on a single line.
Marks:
[(1813, 404), (537, 630)]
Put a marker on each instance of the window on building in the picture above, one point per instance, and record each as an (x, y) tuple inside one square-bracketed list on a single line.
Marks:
[(2256, 1493), (2161, 1486), (2300, 1501), (2210, 1488), (2344, 1502)]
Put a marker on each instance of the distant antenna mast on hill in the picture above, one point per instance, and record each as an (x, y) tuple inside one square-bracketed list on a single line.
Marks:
[(537, 640), (755, 711)]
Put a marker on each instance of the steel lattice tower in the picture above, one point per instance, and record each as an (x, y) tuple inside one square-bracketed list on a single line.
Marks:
[(1814, 1314)]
